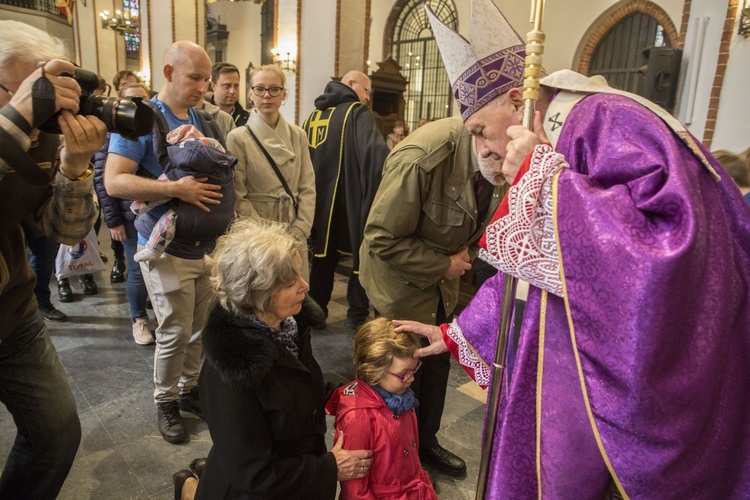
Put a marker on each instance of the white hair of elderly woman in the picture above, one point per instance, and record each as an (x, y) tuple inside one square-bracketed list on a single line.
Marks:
[(251, 262)]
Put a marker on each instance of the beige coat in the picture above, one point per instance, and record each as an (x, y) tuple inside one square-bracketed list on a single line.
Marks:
[(258, 190), (222, 118)]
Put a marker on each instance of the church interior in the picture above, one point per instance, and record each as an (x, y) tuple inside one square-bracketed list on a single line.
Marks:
[(691, 57)]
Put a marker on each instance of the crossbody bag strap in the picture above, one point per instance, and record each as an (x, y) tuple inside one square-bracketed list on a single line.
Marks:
[(275, 169)]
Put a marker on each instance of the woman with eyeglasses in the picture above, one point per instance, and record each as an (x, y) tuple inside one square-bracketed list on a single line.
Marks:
[(274, 176), (376, 412), (261, 389)]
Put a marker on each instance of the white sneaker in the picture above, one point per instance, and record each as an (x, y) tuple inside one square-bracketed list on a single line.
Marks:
[(141, 334)]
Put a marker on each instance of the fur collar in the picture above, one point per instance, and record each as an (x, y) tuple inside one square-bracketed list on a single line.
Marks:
[(240, 354)]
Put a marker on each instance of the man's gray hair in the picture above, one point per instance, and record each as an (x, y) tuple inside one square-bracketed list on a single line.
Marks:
[(26, 43), (251, 262)]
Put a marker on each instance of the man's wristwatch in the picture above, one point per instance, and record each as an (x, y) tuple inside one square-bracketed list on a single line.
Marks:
[(87, 173)]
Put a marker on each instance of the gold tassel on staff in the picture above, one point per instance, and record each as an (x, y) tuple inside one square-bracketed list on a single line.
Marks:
[(532, 71)]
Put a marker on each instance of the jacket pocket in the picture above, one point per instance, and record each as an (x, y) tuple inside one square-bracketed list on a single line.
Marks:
[(443, 213)]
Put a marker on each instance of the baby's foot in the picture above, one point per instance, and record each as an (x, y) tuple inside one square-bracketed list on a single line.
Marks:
[(145, 255)]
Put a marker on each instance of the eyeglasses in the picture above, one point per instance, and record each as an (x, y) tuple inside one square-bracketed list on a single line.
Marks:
[(10, 93), (406, 376), (368, 92), (273, 91)]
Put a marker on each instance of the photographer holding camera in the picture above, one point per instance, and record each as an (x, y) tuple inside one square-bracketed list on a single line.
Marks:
[(33, 384)]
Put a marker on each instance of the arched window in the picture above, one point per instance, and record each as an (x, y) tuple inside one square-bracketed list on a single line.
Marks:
[(619, 54), (414, 48)]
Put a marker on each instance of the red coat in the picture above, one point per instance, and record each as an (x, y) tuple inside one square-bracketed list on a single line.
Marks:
[(367, 424)]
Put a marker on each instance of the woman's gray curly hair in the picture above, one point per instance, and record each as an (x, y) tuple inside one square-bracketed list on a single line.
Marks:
[(251, 262)]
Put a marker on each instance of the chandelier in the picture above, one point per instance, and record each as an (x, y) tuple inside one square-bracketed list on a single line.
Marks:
[(121, 22)]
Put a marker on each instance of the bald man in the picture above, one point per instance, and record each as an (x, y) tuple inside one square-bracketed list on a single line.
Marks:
[(177, 282), (348, 153)]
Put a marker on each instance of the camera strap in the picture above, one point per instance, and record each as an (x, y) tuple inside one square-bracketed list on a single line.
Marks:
[(21, 161), (43, 99)]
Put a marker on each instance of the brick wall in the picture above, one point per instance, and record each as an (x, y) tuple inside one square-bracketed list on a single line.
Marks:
[(721, 68)]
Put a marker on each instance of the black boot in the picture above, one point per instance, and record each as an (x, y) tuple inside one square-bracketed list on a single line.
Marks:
[(89, 285), (64, 293), (118, 271)]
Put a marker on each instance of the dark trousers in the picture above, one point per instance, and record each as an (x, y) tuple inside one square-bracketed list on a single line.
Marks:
[(42, 259), (115, 245), (322, 270), (431, 394), (118, 249), (321, 286), (34, 388)]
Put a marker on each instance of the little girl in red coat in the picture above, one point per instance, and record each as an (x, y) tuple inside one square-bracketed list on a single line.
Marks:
[(376, 412)]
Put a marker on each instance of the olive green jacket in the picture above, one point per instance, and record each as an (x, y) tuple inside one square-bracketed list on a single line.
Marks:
[(424, 211)]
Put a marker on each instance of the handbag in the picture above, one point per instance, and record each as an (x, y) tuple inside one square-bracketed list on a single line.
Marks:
[(81, 258), (275, 169)]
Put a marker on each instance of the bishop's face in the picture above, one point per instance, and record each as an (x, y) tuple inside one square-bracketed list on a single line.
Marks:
[(489, 124)]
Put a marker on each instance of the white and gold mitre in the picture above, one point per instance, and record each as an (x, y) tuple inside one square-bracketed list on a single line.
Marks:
[(488, 64)]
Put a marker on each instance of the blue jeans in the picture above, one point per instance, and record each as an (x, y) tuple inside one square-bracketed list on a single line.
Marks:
[(135, 288), (35, 390), (43, 252)]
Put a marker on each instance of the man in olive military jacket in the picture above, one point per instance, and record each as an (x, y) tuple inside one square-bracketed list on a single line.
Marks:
[(434, 201)]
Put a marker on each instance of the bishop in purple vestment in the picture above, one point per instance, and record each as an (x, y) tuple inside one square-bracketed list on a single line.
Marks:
[(632, 370)]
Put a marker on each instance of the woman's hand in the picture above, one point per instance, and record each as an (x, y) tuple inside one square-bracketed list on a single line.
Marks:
[(351, 464), (118, 233), (431, 332)]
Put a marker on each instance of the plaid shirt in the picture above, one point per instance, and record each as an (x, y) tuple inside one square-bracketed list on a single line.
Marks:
[(72, 210)]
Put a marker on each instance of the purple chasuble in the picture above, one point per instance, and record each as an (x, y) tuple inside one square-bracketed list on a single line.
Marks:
[(652, 386)]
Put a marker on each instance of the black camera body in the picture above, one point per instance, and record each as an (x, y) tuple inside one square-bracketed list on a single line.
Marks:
[(129, 117)]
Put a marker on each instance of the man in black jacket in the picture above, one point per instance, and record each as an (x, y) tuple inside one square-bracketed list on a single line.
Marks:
[(348, 153), (225, 82)]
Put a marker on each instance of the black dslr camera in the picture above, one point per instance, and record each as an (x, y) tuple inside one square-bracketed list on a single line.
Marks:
[(128, 117)]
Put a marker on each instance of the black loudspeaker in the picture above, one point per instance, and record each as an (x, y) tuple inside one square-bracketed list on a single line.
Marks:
[(661, 75)]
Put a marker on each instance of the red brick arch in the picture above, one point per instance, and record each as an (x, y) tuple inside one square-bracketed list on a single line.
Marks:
[(610, 18)]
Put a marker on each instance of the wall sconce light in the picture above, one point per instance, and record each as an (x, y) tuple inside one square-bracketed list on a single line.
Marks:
[(121, 22), (145, 76), (744, 28), (284, 58)]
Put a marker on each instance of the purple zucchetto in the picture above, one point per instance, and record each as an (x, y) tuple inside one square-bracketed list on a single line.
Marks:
[(490, 63)]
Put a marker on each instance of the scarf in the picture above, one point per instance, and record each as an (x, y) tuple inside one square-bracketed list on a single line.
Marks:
[(287, 336), (398, 403)]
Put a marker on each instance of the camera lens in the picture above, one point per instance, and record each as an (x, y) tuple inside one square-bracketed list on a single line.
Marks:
[(128, 117)]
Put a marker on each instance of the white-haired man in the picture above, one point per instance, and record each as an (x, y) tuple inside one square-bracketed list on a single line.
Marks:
[(632, 369), (33, 384)]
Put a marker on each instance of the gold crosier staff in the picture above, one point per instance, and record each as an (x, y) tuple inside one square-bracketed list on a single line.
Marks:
[(532, 71)]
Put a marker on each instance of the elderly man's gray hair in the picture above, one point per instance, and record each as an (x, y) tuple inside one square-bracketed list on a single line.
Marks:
[(251, 262), (22, 42)]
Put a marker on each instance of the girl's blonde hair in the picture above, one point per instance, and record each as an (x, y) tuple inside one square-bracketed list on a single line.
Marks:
[(376, 344)]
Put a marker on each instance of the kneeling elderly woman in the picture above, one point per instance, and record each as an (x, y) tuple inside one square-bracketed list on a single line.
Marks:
[(261, 389)]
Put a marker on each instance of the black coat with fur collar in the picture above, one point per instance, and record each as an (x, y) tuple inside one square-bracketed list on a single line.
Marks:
[(264, 410)]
